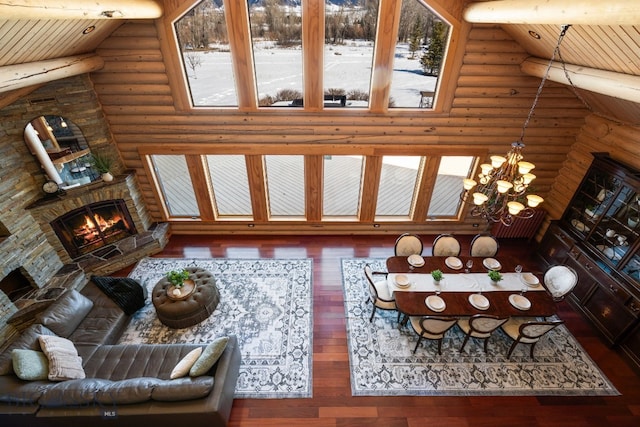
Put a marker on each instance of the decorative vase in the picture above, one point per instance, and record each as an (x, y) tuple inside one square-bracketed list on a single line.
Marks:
[(107, 177), (633, 221), (436, 282), (494, 282), (176, 292)]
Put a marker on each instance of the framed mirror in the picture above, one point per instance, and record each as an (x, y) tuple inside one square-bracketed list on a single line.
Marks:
[(61, 149)]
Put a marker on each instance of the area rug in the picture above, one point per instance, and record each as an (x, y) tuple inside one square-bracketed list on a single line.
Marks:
[(383, 364), (266, 303)]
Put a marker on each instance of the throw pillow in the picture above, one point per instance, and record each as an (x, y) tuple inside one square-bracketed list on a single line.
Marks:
[(64, 362), (209, 357), (30, 365), (184, 365), (28, 340), (64, 315)]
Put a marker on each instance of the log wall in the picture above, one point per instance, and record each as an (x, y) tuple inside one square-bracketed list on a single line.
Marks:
[(492, 98)]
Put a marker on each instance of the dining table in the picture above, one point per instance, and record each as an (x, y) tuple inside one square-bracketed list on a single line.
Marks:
[(517, 294)]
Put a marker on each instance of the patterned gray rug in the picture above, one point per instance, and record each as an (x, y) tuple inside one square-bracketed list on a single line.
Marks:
[(383, 364), (267, 303)]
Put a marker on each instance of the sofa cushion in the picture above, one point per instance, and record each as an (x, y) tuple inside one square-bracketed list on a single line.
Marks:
[(183, 366), (72, 392), (182, 389), (27, 340), (64, 362), (132, 390), (64, 315), (209, 357), (15, 390), (30, 365)]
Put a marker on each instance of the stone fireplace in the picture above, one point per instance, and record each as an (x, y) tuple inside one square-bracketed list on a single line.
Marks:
[(93, 226), (101, 227)]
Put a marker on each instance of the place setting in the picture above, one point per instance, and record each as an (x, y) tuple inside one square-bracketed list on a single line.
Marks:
[(479, 301), (435, 302), (492, 264), (402, 281), (453, 263)]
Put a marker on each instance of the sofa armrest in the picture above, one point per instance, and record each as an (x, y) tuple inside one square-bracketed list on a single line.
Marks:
[(226, 377)]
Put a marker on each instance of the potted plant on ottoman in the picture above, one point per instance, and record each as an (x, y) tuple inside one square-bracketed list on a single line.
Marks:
[(177, 278)]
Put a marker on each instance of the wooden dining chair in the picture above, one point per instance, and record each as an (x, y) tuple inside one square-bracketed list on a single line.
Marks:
[(480, 326), (527, 331), (408, 244), (431, 328), (446, 245), (379, 294), (484, 245)]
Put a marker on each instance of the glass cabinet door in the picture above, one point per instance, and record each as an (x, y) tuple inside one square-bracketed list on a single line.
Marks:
[(612, 235), (591, 201)]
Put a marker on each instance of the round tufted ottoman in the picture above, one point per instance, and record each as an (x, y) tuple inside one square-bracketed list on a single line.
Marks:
[(199, 305)]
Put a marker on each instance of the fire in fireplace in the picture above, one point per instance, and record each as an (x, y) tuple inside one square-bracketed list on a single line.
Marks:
[(93, 226)]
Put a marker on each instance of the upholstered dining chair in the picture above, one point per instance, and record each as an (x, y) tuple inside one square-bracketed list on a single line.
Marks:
[(527, 331), (484, 245), (480, 326), (446, 245), (379, 294), (431, 328), (408, 244), (559, 281)]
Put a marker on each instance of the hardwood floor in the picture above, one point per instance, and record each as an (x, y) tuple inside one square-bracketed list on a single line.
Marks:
[(332, 403)]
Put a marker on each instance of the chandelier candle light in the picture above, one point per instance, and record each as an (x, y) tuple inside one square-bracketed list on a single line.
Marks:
[(500, 193)]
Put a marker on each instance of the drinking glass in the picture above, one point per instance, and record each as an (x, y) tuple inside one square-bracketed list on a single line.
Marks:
[(469, 265), (519, 271), (523, 291)]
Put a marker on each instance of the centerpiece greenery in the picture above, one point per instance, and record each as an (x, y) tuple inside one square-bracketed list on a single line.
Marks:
[(495, 276), (177, 277), (437, 275)]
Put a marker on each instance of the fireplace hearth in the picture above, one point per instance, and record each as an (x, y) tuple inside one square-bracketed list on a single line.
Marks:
[(91, 227)]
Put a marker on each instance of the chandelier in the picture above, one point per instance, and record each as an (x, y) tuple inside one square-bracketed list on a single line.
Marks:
[(500, 193)]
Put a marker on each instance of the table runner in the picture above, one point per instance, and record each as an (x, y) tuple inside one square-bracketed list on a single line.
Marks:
[(461, 282)]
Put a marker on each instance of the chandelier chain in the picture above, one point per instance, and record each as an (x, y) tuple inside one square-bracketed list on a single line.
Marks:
[(544, 79)]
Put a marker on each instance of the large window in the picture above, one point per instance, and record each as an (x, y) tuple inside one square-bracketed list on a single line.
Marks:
[(285, 184), (276, 37), (407, 188), (268, 53), (228, 174), (398, 185), (452, 170), (205, 52), (176, 186), (350, 30), (342, 185), (420, 52)]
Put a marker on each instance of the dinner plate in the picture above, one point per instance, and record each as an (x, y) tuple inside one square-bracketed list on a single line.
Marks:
[(579, 225), (530, 279), (402, 280), (479, 301), (415, 260), (435, 303), (491, 264), (453, 262), (519, 302)]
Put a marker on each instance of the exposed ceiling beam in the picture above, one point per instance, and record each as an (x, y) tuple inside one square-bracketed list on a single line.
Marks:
[(575, 12), (618, 85), (32, 73), (80, 9)]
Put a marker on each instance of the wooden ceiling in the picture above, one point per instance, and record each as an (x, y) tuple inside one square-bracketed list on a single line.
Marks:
[(38, 31)]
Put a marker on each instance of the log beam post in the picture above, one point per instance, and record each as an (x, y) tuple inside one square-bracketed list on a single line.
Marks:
[(80, 9), (23, 75), (618, 85), (578, 12)]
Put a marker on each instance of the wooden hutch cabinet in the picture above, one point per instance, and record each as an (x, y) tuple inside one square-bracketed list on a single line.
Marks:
[(599, 236)]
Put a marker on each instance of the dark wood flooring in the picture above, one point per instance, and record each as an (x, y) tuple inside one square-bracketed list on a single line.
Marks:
[(332, 403)]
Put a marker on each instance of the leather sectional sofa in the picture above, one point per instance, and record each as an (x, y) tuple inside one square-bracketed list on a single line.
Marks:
[(124, 385)]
